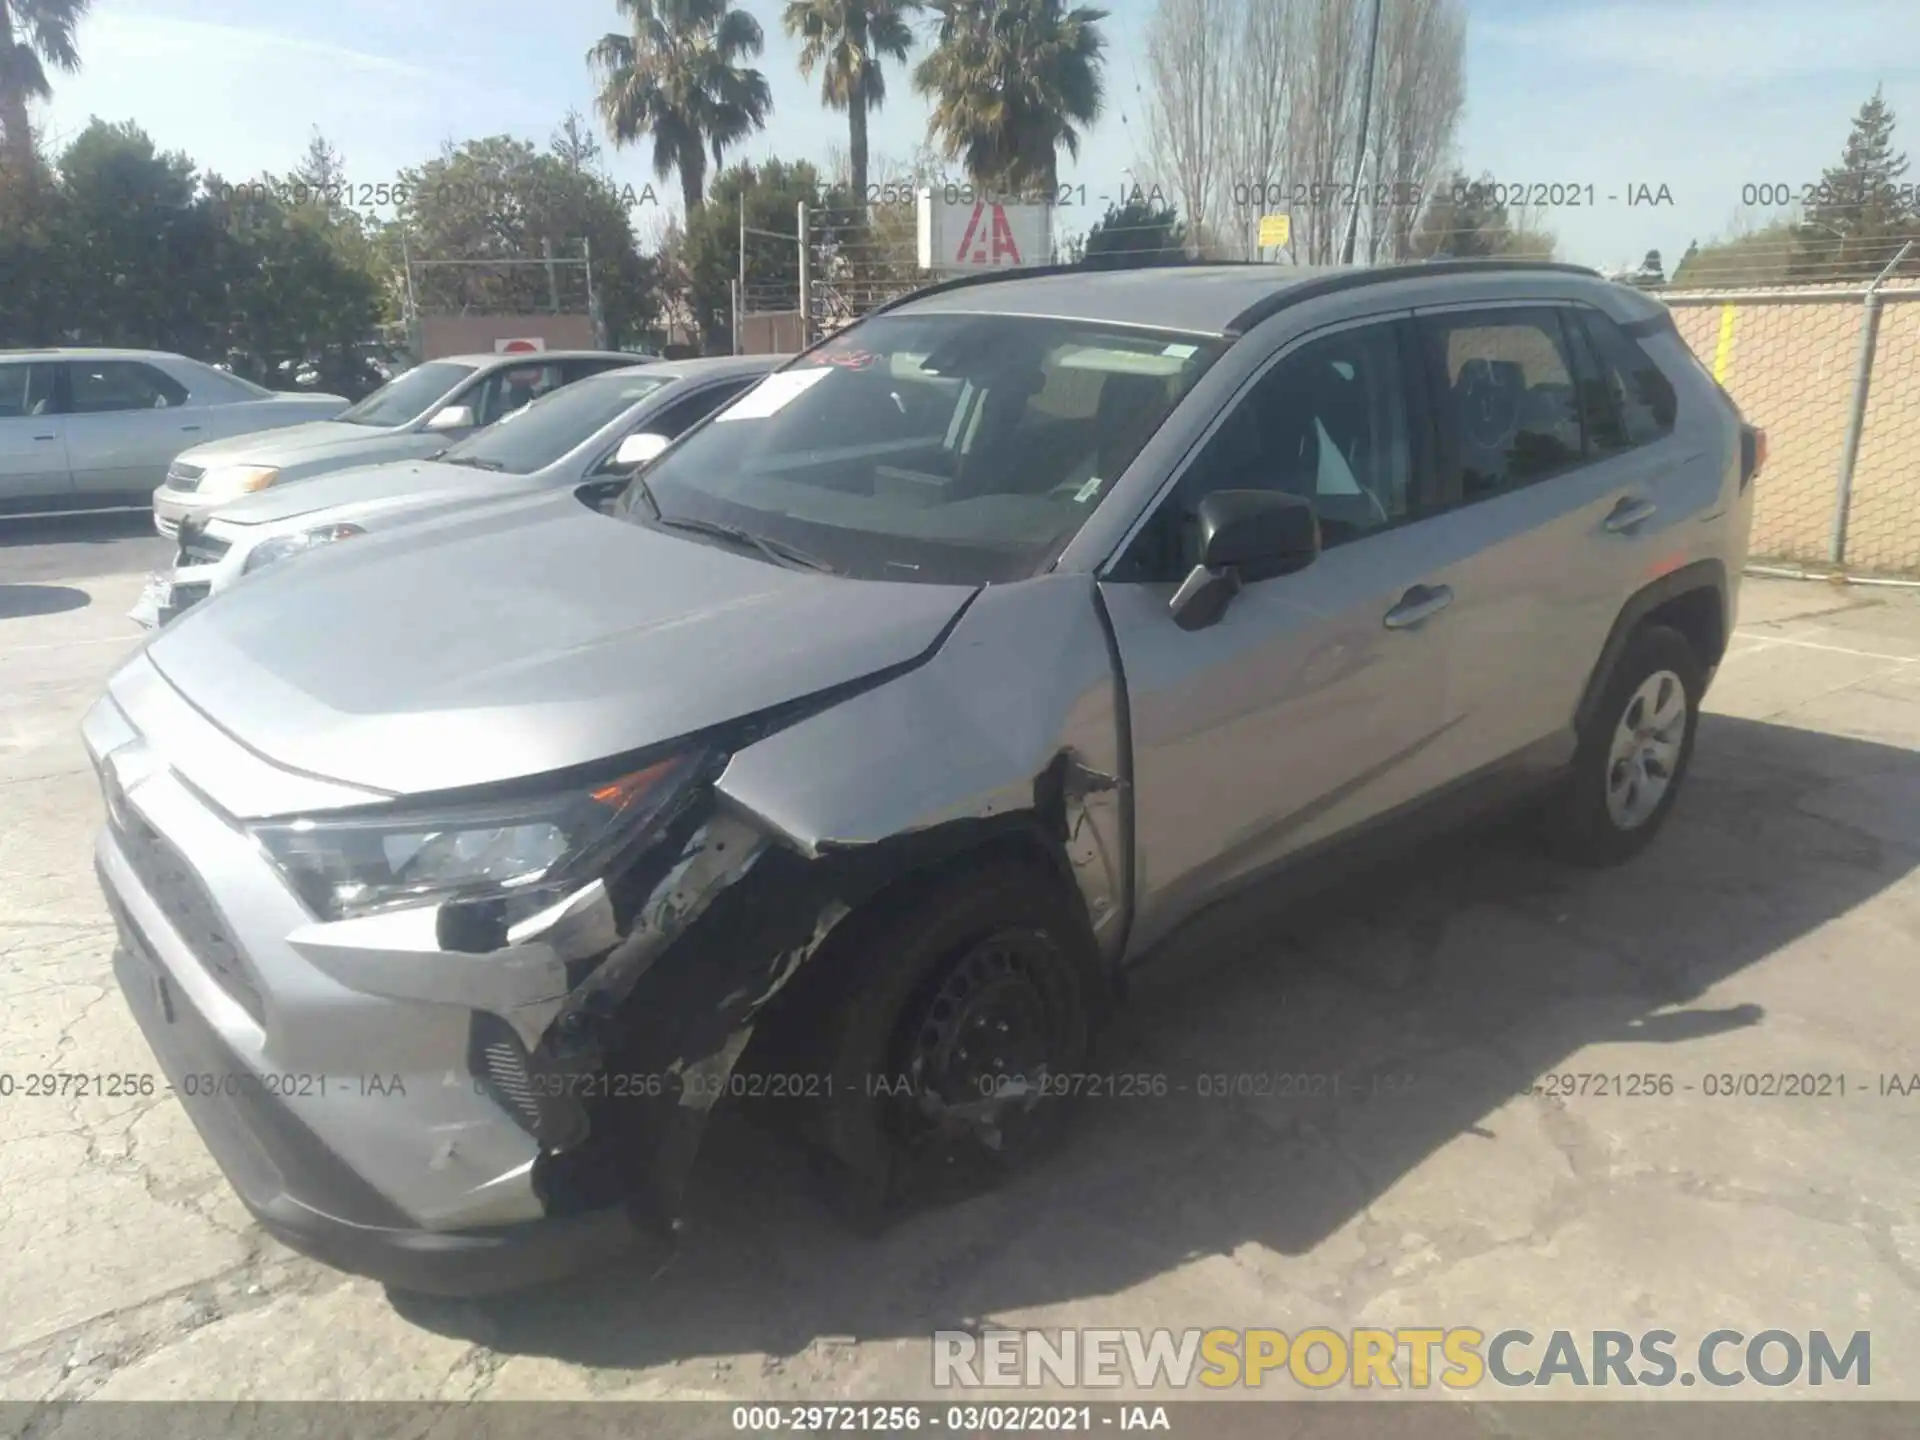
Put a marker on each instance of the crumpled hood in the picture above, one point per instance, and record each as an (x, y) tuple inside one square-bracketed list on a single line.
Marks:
[(293, 444), (522, 637), (372, 489)]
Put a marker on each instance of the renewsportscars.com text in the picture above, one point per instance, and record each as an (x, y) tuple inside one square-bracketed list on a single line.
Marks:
[(1456, 1358)]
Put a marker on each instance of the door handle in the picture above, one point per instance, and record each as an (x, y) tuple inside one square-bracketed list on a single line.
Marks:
[(1628, 513), (1420, 603), (46, 437), (189, 427)]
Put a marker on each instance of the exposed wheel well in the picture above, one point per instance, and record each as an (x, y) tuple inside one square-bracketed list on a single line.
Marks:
[(933, 860)]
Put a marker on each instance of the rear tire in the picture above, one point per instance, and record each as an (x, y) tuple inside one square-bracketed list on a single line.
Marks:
[(1633, 755), (964, 1004)]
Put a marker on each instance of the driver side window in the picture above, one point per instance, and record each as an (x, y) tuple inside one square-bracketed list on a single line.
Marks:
[(1328, 422)]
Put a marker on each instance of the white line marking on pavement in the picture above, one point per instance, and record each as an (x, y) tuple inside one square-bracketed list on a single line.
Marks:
[(1830, 649)]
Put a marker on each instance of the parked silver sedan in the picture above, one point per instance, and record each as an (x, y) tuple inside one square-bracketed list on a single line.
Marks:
[(420, 411), (85, 429), (596, 429)]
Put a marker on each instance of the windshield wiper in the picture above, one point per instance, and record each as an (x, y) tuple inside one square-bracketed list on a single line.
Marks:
[(477, 464), (777, 551)]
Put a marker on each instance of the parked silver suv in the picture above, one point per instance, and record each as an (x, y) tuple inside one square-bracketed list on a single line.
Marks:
[(891, 715)]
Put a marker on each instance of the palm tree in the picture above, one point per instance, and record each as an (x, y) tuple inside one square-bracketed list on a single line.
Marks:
[(33, 35), (677, 78), (848, 39), (1011, 82)]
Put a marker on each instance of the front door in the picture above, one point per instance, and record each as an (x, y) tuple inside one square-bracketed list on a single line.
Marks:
[(1314, 703), (33, 435)]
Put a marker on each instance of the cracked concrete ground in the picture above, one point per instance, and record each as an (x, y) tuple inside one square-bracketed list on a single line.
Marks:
[(1773, 928)]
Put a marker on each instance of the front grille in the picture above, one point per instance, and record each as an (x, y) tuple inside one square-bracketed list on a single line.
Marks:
[(184, 477), (182, 899), (199, 548), (499, 1063)]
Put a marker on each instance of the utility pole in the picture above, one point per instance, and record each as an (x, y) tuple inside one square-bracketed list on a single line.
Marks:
[(594, 317), (553, 275), (740, 305), (806, 282), (1360, 157)]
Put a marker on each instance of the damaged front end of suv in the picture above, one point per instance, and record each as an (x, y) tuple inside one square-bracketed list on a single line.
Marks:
[(581, 958)]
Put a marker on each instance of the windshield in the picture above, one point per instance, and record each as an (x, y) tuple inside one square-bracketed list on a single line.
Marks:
[(404, 397), (539, 434), (949, 449)]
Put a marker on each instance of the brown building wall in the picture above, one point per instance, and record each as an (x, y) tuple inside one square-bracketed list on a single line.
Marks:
[(475, 334), (770, 332)]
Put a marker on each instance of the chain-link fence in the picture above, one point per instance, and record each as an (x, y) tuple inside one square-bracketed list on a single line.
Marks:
[(1832, 374)]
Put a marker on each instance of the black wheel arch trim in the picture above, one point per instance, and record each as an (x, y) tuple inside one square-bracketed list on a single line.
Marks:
[(1701, 575)]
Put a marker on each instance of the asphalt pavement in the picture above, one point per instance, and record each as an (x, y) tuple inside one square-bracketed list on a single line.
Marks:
[(79, 547), (1485, 1164)]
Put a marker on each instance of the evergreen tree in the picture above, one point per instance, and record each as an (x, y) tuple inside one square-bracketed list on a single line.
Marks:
[(1862, 210)]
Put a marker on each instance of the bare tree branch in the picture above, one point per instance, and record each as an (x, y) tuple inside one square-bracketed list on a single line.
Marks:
[(1323, 122), (1419, 95), (1188, 55)]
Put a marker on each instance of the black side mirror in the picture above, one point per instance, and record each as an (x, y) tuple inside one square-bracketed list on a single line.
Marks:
[(603, 493), (1244, 535)]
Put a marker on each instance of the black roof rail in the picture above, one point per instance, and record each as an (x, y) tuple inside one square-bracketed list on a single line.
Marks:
[(1260, 309), (1066, 267), (1381, 274)]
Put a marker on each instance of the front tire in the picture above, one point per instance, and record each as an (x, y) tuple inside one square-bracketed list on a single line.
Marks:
[(1633, 754), (968, 1002)]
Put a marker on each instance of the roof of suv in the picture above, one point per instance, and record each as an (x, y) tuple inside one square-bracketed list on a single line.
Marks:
[(709, 367), (1201, 298), (536, 357)]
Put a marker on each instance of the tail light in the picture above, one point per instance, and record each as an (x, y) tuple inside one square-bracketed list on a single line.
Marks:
[(1753, 453)]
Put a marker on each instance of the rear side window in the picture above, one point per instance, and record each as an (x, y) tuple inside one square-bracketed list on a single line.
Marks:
[(1634, 402), (100, 387), (1507, 401)]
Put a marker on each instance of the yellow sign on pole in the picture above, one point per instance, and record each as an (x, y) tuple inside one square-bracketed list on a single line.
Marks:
[(1275, 229)]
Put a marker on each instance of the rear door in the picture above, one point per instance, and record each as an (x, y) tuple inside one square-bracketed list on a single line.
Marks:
[(33, 434), (1548, 517), (126, 420), (1314, 703)]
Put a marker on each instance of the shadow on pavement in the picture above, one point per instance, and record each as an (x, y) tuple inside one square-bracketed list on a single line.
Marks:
[(101, 528), (1468, 969), (19, 601)]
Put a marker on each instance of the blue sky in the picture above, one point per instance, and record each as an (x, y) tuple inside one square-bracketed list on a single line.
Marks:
[(1702, 96)]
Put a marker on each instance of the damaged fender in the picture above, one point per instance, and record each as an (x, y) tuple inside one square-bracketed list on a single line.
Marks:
[(1020, 714)]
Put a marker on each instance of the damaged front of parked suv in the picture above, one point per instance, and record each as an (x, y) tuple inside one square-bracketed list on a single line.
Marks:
[(878, 725)]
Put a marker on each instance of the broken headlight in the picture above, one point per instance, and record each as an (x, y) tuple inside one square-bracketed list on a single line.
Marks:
[(522, 852)]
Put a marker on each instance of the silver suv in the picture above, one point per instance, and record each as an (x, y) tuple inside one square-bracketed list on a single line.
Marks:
[(886, 719)]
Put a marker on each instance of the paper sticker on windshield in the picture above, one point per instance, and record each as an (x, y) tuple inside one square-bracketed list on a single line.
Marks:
[(1181, 352), (773, 394), (848, 359)]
